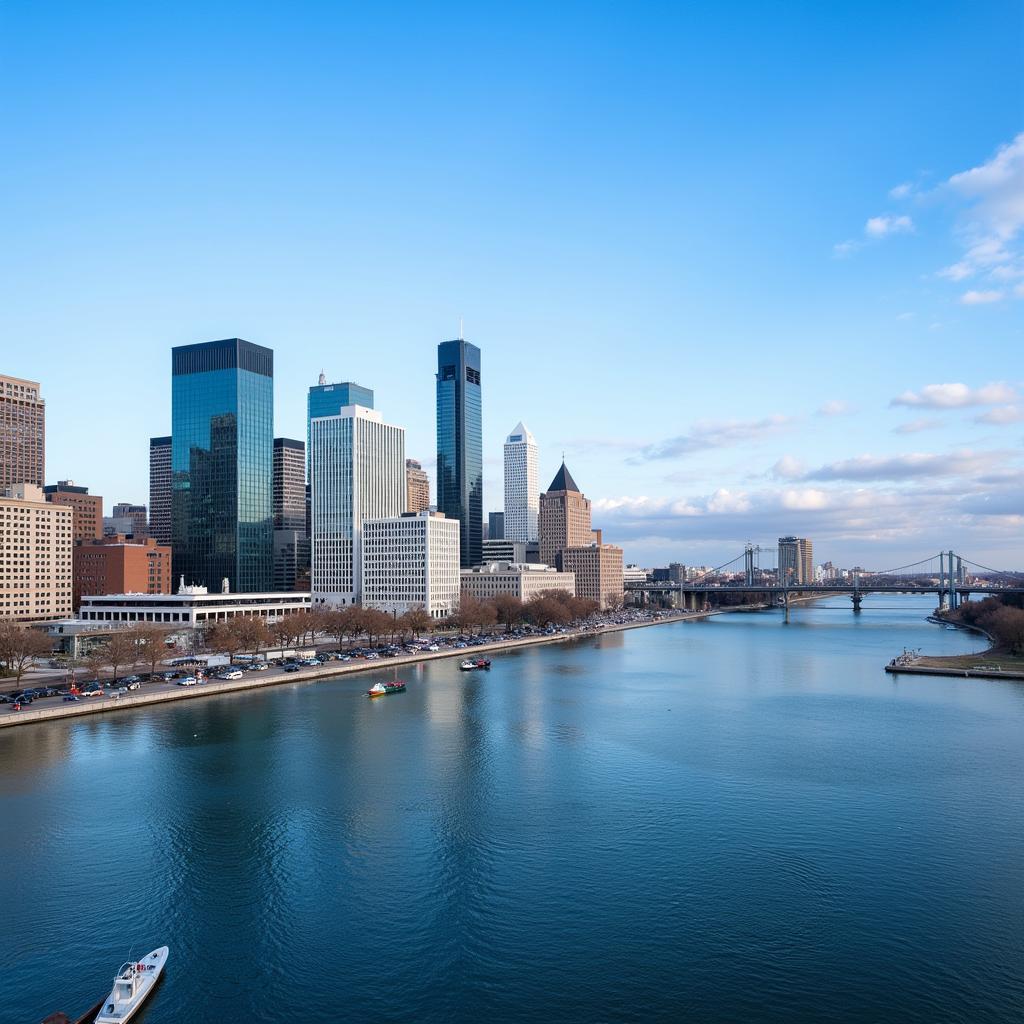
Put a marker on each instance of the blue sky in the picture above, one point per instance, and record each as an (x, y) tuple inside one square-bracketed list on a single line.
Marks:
[(755, 268)]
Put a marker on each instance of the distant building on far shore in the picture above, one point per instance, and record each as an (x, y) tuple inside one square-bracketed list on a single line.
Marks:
[(796, 560)]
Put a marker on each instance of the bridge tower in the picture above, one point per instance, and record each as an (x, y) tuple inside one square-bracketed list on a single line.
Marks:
[(748, 563), (856, 597)]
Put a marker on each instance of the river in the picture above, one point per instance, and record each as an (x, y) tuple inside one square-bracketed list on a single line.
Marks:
[(730, 820)]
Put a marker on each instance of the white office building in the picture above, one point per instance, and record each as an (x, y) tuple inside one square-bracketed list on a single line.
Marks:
[(357, 472), (411, 561), (189, 607), (522, 580), (522, 493)]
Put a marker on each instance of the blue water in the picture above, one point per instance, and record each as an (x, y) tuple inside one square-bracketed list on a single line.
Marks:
[(734, 820)]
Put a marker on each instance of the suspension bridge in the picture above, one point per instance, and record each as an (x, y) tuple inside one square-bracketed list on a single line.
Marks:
[(951, 576)]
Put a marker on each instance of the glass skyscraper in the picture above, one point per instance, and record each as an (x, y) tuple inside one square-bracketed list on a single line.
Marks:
[(460, 486), (222, 439)]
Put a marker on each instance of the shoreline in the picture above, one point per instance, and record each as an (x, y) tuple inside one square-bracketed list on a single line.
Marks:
[(253, 681), (953, 664)]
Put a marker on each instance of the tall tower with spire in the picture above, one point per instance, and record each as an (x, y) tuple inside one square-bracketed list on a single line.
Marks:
[(522, 491), (564, 519)]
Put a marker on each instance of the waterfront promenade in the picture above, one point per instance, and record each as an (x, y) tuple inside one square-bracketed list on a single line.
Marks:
[(163, 692)]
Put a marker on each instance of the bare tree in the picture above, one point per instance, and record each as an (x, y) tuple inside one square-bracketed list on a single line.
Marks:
[(149, 642), (121, 651), (416, 620), (20, 646), (509, 610)]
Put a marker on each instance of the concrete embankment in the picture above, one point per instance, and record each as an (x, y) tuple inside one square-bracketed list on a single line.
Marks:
[(966, 673), (161, 693)]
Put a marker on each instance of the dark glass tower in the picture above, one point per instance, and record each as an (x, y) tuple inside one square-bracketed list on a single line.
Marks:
[(222, 440), (460, 486)]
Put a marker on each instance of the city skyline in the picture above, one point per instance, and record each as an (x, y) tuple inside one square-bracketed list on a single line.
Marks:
[(741, 309)]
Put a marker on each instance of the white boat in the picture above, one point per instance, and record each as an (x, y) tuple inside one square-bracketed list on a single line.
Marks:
[(133, 985)]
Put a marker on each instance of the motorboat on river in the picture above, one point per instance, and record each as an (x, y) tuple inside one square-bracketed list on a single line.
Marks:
[(133, 985)]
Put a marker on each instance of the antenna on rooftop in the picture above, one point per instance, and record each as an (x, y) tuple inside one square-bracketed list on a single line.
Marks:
[(323, 378), (460, 329)]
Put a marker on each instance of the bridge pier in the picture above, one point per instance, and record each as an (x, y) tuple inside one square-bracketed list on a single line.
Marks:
[(856, 597), (785, 605)]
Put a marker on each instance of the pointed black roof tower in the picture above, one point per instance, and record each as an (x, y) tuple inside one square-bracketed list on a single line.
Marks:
[(563, 481)]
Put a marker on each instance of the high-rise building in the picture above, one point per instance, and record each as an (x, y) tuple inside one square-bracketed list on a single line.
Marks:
[(291, 542), (136, 515), (357, 472), (411, 561), (222, 411), (329, 399), (289, 484), (522, 492), (564, 518), (22, 433), (35, 555), (417, 486), (117, 565), (796, 560), (496, 526), (599, 573), (160, 489), (460, 486), (88, 508)]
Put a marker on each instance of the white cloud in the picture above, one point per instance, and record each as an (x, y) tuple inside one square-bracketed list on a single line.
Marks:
[(901, 191), (957, 396), (905, 467), (788, 468), (917, 426), (841, 249), (1002, 415), (981, 298), (888, 224), (708, 434), (835, 407), (905, 316), (991, 227)]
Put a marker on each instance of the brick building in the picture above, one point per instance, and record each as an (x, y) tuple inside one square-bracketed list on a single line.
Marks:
[(115, 565)]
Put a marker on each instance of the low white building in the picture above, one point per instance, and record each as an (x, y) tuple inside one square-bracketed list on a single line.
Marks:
[(635, 574), (520, 579), (411, 561), (189, 607)]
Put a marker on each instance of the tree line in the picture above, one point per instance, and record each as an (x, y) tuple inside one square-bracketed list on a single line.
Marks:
[(997, 617), (144, 643)]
